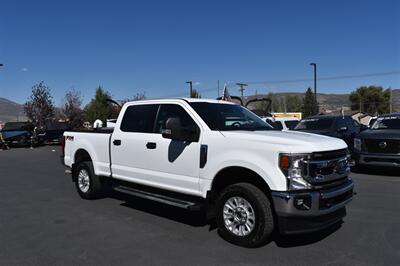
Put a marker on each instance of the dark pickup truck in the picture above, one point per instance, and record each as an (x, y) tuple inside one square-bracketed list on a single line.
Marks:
[(342, 127), (379, 145)]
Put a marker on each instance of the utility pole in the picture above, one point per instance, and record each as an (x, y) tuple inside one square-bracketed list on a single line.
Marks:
[(391, 100), (190, 88), (218, 88), (314, 65), (242, 88)]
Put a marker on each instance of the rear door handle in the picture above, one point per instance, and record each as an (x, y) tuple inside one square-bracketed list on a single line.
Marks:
[(117, 142), (151, 145)]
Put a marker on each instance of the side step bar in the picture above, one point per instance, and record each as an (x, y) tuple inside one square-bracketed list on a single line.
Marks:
[(193, 206)]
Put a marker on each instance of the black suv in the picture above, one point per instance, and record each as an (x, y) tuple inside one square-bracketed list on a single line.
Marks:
[(379, 145), (343, 127)]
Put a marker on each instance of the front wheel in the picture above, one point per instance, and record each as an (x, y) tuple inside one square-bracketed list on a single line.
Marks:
[(88, 185), (244, 215)]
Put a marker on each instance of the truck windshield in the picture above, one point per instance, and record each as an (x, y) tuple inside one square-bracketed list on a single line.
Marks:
[(387, 122), (222, 117), (315, 124)]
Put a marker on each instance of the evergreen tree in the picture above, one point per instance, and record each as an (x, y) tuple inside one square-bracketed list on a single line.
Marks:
[(99, 108), (195, 94), (309, 104), (373, 100)]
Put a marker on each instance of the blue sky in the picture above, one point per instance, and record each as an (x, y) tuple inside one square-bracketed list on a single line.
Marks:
[(155, 46)]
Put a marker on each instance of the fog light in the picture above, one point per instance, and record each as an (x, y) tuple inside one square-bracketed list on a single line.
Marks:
[(303, 203)]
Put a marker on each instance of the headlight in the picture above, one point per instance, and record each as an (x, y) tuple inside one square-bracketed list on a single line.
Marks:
[(291, 166), (357, 144)]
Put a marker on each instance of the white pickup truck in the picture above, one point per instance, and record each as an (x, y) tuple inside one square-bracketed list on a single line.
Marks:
[(219, 157)]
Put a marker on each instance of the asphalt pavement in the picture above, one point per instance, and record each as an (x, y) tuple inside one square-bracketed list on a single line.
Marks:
[(43, 221)]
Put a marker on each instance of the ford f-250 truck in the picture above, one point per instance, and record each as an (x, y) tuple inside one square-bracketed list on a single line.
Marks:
[(218, 156)]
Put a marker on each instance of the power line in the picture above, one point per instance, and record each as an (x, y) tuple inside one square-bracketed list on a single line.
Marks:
[(325, 78), (295, 81)]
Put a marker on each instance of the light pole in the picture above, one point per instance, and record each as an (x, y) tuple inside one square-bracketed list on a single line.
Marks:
[(314, 65), (190, 88)]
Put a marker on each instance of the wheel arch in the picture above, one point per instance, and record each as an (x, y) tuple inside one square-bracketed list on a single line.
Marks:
[(237, 174), (81, 155)]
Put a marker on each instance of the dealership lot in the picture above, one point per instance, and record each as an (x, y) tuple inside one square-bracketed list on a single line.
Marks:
[(44, 222)]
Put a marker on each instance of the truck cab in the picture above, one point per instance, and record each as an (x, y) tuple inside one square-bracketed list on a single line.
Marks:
[(220, 157)]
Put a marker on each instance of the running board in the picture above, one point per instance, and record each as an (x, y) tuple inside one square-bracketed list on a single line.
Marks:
[(193, 206)]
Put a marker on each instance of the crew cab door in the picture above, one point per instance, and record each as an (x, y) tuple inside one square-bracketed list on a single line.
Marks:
[(140, 154)]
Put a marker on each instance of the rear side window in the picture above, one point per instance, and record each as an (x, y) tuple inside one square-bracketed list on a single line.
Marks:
[(139, 118)]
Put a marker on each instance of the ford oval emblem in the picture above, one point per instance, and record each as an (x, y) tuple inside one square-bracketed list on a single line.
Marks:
[(382, 144)]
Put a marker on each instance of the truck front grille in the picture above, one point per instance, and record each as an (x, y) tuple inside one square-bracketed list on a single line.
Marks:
[(327, 169), (382, 146)]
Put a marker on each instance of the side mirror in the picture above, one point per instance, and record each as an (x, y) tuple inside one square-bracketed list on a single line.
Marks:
[(173, 129), (342, 129), (364, 127)]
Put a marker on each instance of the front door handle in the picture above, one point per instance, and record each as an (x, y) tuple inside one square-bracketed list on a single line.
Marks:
[(151, 145), (117, 142)]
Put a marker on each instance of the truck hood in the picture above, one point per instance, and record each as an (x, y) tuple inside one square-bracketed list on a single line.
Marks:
[(290, 141), (380, 134)]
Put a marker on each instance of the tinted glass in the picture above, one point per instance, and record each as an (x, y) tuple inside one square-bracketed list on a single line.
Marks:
[(139, 118), (315, 124), (173, 110), (276, 125), (219, 116), (291, 124), (387, 122), (341, 122)]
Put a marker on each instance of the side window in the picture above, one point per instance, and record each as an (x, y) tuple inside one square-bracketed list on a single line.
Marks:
[(350, 123), (139, 118), (173, 110), (340, 122)]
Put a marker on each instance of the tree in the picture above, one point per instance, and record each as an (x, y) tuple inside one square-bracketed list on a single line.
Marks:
[(39, 106), (195, 94), (99, 108), (370, 99), (71, 109), (309, 105), (293, 103), (138, 96)]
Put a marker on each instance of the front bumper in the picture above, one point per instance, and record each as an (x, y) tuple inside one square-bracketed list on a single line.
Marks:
[(377, 159), (308, 211)]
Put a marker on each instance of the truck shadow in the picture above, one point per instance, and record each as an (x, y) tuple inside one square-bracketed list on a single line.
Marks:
[(192, 218), (198, 219), (288, 241)]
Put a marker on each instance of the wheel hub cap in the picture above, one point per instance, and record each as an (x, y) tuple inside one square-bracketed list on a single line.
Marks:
[(83, 180), (239, 217)]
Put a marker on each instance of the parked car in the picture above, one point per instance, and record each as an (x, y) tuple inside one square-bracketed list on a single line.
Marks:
[(282, 123), (217, 156), (17, 133), (52, 132), (379, 145), (342, 127)]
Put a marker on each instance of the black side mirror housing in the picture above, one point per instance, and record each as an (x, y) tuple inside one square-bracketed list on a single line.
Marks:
[(174, 131)]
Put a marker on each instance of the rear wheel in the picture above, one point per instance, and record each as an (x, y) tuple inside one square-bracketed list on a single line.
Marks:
[(244, 215), (88, 185)]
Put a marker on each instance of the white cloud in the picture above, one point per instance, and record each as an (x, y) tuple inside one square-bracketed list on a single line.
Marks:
[(196, 83), (24, 69)]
